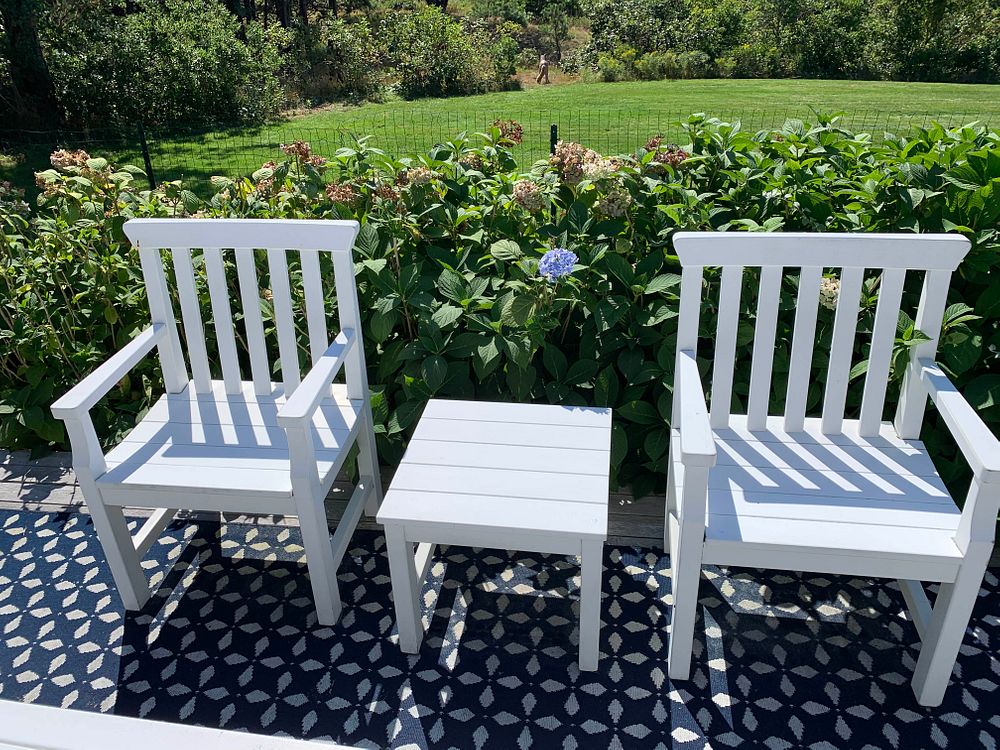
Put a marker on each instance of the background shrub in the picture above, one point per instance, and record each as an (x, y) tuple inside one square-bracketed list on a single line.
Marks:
[(447, 265)]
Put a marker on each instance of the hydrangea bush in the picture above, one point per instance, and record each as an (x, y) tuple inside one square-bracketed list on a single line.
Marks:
[(478, 280)]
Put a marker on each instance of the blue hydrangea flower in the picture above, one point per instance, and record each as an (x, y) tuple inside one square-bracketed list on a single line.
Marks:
[(557, 263)]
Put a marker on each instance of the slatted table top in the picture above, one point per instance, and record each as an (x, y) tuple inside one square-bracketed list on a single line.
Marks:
[(521, 467)]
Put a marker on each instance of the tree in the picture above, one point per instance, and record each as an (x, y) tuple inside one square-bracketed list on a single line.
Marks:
[(33, 98), (554, 24)]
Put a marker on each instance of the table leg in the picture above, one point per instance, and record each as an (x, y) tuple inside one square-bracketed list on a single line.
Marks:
[(405, 588), (592, 568)]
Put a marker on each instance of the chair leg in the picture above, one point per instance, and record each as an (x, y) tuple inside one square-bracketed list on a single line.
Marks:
[(405, 588), (319, 559), (591, 570), (945, 633), (368, 465), (685, 573), (123, 559), (670, 504)]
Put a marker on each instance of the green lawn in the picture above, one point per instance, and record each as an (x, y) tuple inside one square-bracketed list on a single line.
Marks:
[(609, 117)]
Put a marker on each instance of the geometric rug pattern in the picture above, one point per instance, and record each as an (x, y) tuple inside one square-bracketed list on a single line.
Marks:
[(230, 639)]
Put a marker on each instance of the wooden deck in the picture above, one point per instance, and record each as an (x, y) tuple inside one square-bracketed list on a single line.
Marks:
[(47, 484)]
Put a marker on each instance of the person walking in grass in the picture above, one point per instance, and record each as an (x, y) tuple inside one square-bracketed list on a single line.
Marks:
[(543, 70)]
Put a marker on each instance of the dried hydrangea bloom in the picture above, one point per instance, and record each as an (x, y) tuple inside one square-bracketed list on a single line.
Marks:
[(301, 149), (556, 263), (419, 176), (615, 203), (265, 185), (267, 294), (600, 169), (386, 192), (472, 161), (653, 144), (316, 161), (510, 130), (63, 159), (342, 192), (569, 159), (671, 155), (829, 292), (529, 196)]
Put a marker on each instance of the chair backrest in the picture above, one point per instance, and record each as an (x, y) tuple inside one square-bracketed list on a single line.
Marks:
[(200, 252), (807, 255)]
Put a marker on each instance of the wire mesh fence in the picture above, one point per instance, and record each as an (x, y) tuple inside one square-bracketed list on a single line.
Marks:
[(195, 154)]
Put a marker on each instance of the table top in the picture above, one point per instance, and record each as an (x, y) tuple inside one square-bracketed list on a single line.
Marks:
[(525, 467)]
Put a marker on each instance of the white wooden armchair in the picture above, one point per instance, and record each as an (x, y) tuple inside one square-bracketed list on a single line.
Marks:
[(828, 494), (233, 445)]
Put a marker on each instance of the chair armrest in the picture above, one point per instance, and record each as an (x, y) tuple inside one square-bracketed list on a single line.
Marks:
[(303, 402), (697, 442), (81, 398), (976, 441)]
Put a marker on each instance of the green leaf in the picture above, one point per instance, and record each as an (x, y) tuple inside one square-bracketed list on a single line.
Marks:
[(555, 361), (434, 370), (984, 391), (639, 412), (662, 283), (445, 315), (656, 443), (518, 310), (506, 250), (452, 285)]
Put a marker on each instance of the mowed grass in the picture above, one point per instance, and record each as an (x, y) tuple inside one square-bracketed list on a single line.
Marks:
[(609, 117)]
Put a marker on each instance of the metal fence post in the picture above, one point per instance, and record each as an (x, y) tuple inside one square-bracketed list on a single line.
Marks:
[(553, 137), (147, 161)]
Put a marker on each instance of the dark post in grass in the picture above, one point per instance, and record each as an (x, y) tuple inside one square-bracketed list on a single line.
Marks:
[(147, 162), (553, 137)]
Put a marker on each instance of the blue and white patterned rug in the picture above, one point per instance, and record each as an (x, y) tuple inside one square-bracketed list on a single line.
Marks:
[(782, 660)]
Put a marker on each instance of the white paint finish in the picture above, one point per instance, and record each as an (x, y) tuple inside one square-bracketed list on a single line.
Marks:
[(546, 415), (724, 365), (161, 311), (194, 329), (974, 438), (253, 321), (913, 393), (312, 287), (519, 434), (803, 338), (853, 497), (880, 353), (696, 442), (31, 726), (222, 318), (486, 487), (845, 324), (315, 389), (824, 249), (281, 299), (221, 445), (768, 297), (85, 394)]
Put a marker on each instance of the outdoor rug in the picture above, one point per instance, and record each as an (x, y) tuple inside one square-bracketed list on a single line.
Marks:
[(230, 640)]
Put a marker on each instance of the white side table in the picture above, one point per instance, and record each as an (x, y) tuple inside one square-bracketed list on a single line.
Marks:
[(513, 476)]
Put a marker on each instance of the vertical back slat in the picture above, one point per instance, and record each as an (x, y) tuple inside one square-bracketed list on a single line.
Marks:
[(250, 297), (175, 377), (880, 354), (194, 330), (349, 316), (281, 295), (913, 396), (803, 339), (222, 315), (312, 285), (763, 347), (725, 345), (687, 323), (845, 324)]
